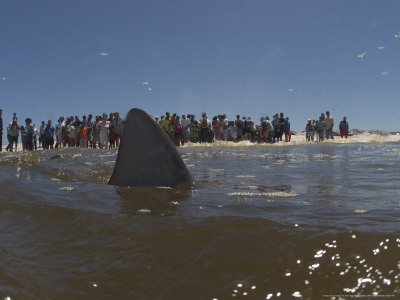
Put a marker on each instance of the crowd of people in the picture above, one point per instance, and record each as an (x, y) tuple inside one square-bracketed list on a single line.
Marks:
[(102, 132), (219, 128), (105, 131)]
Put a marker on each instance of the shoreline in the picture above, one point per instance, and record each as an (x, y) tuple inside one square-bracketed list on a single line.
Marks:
[(298, 138)]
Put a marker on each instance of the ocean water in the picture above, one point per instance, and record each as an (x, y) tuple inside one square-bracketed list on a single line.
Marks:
[(287, 221)]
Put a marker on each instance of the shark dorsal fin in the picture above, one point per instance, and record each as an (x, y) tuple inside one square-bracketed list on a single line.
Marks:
[(147, 156)]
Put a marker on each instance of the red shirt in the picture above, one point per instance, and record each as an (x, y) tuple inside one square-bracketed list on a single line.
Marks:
[(112, 136), (178, 129), (83, 133)]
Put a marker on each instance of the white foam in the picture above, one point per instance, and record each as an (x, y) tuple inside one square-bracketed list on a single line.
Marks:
[(66, 189), (265, 194), (300, 139)]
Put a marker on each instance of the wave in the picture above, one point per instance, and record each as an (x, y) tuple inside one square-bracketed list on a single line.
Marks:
[(356, 136)]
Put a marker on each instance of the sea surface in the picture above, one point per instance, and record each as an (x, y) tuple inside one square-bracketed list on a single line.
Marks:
[(288, 221)]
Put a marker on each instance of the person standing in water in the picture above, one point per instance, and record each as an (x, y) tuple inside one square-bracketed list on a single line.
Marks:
[(71, 133), (286, 130), (13, 131), (205, 126), (42, 141), (83, 138), (329, 126), (49, 135), (116, 123), (321, 128), (29, 133), (344, 128), (309, 131), (185, 123), (104, 126), (89, 125), (59, 135)]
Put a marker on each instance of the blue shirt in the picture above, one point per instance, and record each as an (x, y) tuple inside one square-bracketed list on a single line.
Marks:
[(286, 126), (49, 130)]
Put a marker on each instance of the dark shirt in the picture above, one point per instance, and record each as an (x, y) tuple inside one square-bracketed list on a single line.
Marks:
[(282, 123), (275, 124), (344, 125), (239, 124)]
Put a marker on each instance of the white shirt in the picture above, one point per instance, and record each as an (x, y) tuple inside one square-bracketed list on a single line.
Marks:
[(185, 123), (103, 125)]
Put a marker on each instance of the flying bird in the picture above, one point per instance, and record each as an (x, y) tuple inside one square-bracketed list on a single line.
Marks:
[(146, 84), (361, 55), (3, 78), (385, 73), (397, 35), (291, 90), (104, 54), (381, 47)]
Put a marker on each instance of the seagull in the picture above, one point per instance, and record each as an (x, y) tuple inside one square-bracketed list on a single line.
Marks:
[(381, 47), (385, 73), (3, 78), (104, 54), (362, 55), (397, 35), (146, 84), (291, 90)]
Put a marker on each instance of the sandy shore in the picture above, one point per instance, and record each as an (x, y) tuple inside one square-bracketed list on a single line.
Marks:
[(299, 138)]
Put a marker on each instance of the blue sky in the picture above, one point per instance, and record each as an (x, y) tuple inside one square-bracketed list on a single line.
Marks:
[(213, 56)]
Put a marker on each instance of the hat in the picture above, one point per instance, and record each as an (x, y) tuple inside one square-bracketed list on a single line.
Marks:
[(28, 120)]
